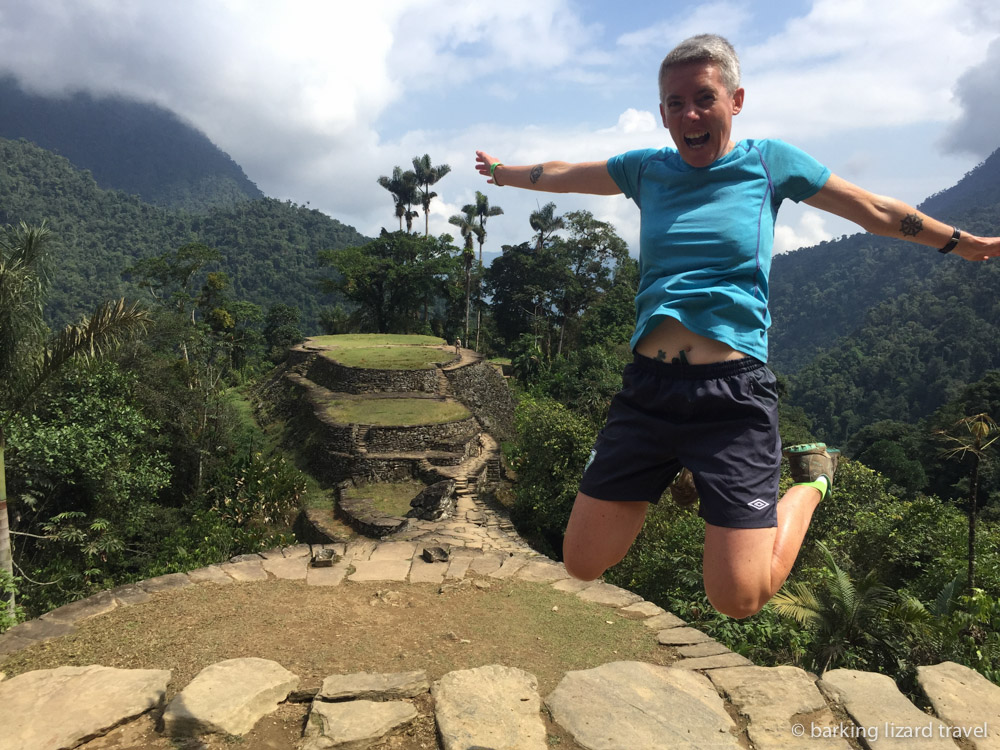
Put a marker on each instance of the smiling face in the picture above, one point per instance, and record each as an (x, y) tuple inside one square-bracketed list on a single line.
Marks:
[(698, 111)]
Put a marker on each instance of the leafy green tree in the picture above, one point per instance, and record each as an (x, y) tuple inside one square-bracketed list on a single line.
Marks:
[(551, 451), (281, 328), (27, 361), (427, 175), (521, 282), (586, 260), (389, 278), (174, 272), (972, 436)]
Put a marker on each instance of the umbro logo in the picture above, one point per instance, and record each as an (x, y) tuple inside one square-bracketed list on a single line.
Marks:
[(758, 504)]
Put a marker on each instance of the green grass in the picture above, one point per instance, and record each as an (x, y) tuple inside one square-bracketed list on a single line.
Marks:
[(389, 357), (393, 499), (351, 340), (396, 411)]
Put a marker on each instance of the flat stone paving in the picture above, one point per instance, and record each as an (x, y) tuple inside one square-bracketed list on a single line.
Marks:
[(618, 706)]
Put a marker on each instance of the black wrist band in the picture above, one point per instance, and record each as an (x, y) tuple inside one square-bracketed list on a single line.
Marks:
[(952, 242)]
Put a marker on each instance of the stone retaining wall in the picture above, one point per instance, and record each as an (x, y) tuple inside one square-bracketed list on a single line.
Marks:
[(484, 391), (447, 436), (343, 379)]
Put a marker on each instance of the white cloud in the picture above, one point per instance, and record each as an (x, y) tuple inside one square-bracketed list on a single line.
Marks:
[(809, 230)]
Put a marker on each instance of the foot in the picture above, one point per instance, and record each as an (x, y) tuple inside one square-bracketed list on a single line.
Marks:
[(682, 489), (810, 461)]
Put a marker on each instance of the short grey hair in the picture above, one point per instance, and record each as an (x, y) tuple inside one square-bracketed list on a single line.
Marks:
[(705, 48)]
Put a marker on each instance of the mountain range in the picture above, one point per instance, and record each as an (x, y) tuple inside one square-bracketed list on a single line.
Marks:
[(865, 328)]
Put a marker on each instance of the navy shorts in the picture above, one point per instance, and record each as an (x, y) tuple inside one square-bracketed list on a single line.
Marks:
[(718, 420)]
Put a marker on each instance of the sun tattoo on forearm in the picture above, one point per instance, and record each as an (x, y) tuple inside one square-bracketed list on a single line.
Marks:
[(536, 172), (911, 225)]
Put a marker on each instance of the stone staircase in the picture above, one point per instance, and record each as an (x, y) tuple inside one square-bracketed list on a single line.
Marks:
[(707, 697)]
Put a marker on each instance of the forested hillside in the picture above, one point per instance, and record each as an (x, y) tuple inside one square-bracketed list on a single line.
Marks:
[(136, 147), (269, 248), (875, 329)]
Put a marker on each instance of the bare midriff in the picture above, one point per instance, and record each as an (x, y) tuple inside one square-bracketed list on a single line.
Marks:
[(670, 338)]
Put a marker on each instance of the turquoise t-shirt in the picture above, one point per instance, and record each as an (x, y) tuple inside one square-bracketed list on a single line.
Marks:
[(706, 235)]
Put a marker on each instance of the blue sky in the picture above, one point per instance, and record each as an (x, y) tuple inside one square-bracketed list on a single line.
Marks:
[(317, 99)]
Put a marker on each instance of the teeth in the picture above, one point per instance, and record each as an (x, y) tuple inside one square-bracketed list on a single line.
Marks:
[(698, 139)]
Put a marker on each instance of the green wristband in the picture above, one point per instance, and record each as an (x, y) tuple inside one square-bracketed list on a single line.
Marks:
[(493, 168)]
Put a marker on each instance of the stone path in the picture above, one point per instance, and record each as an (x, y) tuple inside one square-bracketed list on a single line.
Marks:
[(708, 698)]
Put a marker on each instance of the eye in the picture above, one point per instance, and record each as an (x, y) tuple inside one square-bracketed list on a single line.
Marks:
[(673, 106)]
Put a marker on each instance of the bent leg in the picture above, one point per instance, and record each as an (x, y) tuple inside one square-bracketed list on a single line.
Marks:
[(599, 534), (744, 568)]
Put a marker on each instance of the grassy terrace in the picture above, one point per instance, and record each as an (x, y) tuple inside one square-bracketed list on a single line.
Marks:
[(384, 351), (396, 411)]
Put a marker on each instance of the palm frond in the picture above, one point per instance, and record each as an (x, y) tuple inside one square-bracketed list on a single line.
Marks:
[(798, 602)]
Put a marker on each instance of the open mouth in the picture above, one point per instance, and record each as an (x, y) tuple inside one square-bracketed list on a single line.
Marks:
[(696, 140)]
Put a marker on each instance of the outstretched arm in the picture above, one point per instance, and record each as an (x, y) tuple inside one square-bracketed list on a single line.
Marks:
[(552, 176), (889, 217)]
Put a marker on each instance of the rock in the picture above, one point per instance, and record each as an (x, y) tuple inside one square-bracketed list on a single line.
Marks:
[(166, 583), (573, 585), (354, 725), (56, 708), (211, 574), (509, 567), (327, 576), (228, 697), (130, 595), (646, 609), (77, 611), (966, 700), (394, 551), (642, 707), (380, 570), (491, 707), (435, 502), (287, 568), (681, 637), (884, 716), (664, 621), (612, 596), (774, 699), (425, 572), (434, 555), (719, 661), (487, 563), (35, 631), (246, 570), (542, 571), (706, 648), (368, 686)]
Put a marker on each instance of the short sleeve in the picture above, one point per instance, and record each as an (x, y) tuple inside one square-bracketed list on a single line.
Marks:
[(794, 173), (626, 170)]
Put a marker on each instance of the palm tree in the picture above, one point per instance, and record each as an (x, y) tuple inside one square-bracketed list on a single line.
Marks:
[(27, 361), (403, 188), (844, 615), (426, 175), (972, 435), (483, 210), (545, 222), (468, 228)]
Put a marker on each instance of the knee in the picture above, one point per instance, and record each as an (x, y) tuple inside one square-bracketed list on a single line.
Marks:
[(581, 569), (737, 606)]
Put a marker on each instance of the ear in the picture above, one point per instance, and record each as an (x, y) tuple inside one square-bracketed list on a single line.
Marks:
[(663, 116), (738, 100)]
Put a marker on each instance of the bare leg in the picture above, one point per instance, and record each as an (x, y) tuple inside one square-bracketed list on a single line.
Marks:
[(599, 534), (744, 568)]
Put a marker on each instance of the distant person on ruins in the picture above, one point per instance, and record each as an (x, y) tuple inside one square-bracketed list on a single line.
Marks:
[(698, 393)]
